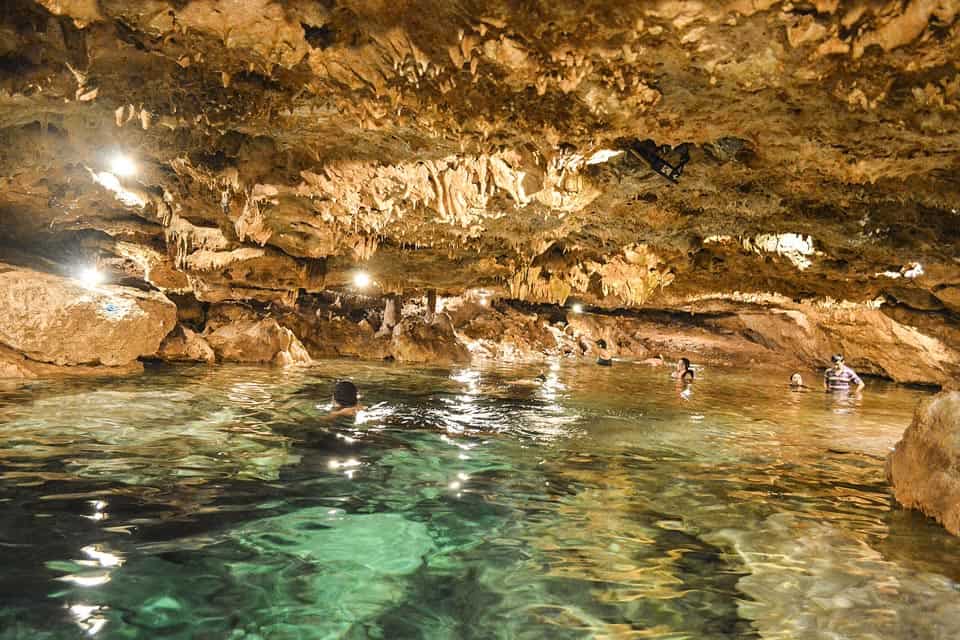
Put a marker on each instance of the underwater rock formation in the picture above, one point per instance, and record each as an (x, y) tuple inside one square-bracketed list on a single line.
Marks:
[(923, 468)]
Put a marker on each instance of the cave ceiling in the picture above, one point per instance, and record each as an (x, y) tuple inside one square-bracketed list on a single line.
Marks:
[(279, 146)]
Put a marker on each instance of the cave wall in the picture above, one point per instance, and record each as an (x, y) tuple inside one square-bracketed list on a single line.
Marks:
[(276, 148)]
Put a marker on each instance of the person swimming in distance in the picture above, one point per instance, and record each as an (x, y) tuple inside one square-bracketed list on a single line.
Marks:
[(839, 376), (603, 356), (796, 382), (683, 372), (345, 399), (656, 361)]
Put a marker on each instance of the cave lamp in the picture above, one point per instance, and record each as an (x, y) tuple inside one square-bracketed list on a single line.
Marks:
[(122, 165)]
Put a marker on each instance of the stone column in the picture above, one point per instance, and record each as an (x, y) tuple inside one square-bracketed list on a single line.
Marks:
[(431, 305), (389, 316)]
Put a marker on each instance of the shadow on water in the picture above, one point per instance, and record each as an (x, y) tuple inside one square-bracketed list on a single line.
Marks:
[(467, 503)]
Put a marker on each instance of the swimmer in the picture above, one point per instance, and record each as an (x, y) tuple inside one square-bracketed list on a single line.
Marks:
[(345, 399), (603, 356), (656, 361), (683, 372), (796, 383), (839, 376)]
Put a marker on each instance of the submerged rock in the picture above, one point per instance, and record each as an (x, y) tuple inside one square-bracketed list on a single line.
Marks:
[(52, 319), (810, 580), (16, 365), (923, 468)]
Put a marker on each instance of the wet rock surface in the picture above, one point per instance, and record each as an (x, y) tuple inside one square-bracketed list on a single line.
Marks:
[(237, 334), (923, 467), (53, 319), (185, 345)]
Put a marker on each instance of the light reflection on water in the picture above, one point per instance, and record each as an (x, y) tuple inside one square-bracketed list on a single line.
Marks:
[(478, 502)]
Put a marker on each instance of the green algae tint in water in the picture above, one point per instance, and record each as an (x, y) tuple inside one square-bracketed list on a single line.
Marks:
[(605, 503)]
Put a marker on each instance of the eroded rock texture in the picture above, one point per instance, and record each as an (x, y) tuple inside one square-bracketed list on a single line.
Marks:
[(51, 319), (279, 146), (923, 466)]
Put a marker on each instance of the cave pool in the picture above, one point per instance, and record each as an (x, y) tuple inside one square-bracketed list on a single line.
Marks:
[(215, 502)]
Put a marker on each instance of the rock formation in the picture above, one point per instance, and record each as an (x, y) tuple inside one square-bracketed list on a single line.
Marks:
[(923, 467), (52, 319), (236, 334), (185, 345), (262, 152)]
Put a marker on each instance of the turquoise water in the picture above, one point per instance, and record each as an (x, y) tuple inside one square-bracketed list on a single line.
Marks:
[(203, 502)]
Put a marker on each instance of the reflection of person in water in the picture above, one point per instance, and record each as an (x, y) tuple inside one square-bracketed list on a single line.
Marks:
[(536, 381)]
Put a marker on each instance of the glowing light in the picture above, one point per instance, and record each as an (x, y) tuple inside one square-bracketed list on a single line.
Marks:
[(577, 308), (361, 279), (914, 271), (122, 165), (602, 156), (484, 302), (90, 277)]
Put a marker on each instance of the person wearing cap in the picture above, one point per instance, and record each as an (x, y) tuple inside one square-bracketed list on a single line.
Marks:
[(839, 376), (345, 399)]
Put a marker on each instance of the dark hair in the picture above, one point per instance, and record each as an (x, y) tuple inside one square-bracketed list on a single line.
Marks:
[(837, 357), (602, 343), (541, 377), (345, 393), (686, 363)]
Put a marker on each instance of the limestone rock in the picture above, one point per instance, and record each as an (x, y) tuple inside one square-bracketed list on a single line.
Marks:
[(339, 337), (15, 365), (185, 345), (54, 319), (503, 333), (238, 334), (924, 468), (871, 341), (485, 149), (415, 340)]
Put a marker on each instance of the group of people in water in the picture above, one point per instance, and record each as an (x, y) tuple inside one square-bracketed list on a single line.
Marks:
[(837, 377)]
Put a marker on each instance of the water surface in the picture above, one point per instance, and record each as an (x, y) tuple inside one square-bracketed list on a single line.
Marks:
[(199, 502)]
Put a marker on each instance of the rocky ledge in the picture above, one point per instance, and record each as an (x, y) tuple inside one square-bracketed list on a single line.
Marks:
[(923, 468)]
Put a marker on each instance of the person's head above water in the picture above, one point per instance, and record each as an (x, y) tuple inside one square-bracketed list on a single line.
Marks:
[(345, 393), (683, 364), (796, 380), (541, 377), (601, 343), (837, 360)]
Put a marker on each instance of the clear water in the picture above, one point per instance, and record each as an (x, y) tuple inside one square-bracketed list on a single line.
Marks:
[(217, 503)]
